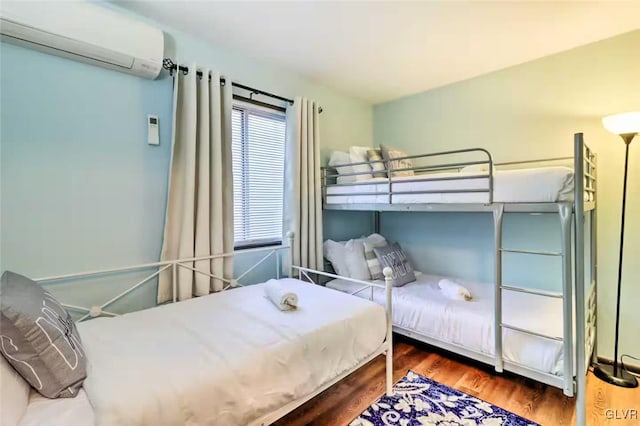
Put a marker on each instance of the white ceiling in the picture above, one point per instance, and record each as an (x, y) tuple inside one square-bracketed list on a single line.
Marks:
[(378, 51)]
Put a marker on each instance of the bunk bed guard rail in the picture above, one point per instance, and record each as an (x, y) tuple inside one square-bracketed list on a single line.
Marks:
[(422, 171)]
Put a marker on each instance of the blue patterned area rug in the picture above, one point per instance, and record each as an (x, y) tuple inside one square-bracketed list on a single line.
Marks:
[(419, 401)]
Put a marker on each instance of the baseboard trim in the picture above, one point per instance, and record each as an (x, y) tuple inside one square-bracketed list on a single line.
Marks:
[(632, 368)]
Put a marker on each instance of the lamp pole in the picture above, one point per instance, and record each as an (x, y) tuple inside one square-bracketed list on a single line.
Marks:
[(615, 374), (627, 142)]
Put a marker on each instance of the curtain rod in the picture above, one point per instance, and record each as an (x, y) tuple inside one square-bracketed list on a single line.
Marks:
[(171, 66)]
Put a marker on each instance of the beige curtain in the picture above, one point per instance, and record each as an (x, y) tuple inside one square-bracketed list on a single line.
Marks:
[(303, 203), (199, 215)]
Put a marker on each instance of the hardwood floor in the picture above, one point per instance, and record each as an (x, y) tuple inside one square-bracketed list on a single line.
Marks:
[(540, 403)]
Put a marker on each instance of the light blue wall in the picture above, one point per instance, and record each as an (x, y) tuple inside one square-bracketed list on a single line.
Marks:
[(461, 245), (525, 112), (81, 189)]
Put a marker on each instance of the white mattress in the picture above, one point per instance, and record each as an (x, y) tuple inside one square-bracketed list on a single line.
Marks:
[(228, 358), (421, 307), (538, 185)]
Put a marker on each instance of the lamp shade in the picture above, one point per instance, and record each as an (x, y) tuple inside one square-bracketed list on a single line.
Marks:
[(624, 123)]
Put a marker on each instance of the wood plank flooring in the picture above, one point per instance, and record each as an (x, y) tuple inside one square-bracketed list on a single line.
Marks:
[(543, 404)]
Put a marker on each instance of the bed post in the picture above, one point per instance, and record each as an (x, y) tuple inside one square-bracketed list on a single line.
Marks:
[(290, 239), (174, 281), (566, 219), (498, 214), (578, 198), (388, 283)]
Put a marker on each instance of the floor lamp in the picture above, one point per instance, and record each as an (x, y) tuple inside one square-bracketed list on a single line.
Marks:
[(627, 125)]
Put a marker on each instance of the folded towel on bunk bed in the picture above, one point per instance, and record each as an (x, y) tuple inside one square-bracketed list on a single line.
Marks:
[(279, 296), (453, 290)]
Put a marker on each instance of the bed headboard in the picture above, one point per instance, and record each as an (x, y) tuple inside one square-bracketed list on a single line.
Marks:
[(103, 308)]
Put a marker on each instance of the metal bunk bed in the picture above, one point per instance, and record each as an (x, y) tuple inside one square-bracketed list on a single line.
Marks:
[(578, 292)]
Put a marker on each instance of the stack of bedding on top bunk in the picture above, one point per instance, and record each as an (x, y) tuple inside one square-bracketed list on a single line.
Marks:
[(372, 184)]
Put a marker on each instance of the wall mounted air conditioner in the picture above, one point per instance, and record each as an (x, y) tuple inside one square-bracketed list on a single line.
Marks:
[(84, 32)]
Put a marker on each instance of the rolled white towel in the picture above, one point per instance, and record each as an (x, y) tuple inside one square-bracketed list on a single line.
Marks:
[(279, 296), (453, 290)]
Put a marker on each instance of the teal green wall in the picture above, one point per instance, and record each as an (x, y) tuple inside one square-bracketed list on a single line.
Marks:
[(461, 245), (525, 112), (80, 187)]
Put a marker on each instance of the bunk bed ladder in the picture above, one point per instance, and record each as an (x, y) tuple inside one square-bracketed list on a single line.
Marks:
[(581, 355), (565, 213)]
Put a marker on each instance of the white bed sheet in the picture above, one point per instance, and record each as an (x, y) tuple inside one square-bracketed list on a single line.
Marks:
[(228, 358), (537, 185), (421, 307), (58, 412)]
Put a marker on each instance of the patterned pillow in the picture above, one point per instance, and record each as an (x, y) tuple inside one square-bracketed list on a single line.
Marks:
[(375, 270), (379, 169), (389, 153), (394, 257), (39, 338)]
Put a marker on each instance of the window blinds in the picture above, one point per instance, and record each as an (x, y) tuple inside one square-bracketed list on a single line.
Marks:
[(258, 175)]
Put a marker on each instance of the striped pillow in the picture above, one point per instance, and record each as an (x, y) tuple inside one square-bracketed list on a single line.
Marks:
[(379, 169), (375, 269)]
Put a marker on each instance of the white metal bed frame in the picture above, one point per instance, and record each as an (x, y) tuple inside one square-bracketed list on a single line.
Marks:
[(386, 348), (575, 289)]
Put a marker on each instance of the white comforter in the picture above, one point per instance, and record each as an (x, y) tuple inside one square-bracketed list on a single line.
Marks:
[(420, 306), (225, 359)]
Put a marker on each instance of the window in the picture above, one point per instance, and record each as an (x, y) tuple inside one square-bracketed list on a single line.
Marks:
[(258, 174)]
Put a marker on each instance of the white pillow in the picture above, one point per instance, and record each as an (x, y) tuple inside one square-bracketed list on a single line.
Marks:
[(14, 394), (376, 239), (336, 254), (338, 159), (357, 264), (347, 258), (358, 154)]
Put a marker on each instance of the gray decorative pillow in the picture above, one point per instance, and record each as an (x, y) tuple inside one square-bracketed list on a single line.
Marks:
[(394, 257), (39, 338)]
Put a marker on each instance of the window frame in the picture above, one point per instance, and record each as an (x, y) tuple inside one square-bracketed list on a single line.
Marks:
[(266, 111)]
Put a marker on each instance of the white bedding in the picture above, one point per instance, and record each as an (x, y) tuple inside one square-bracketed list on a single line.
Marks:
[(537, 185), (229, 358), (58, 412), (421, 307)]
